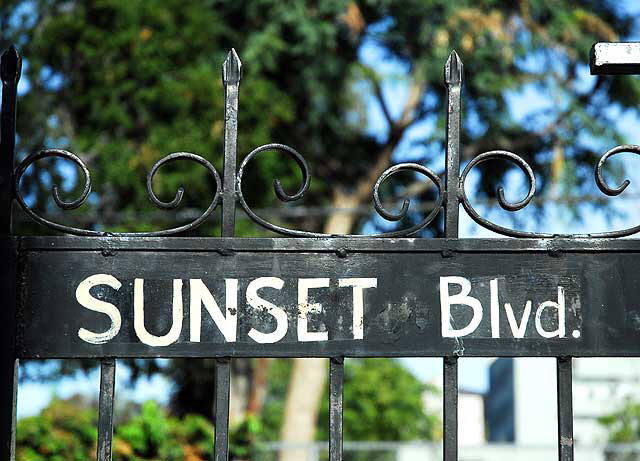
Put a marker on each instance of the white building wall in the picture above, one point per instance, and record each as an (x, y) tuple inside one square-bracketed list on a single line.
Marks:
[(600, 387), (535, 401), (495, 452), (471, 423)]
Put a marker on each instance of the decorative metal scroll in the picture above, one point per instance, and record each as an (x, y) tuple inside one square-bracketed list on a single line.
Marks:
[(447, 192), (526, 169), (72, 205), (306, 180)]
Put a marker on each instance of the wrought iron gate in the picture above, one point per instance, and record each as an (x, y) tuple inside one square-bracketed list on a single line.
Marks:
[(586, 271)]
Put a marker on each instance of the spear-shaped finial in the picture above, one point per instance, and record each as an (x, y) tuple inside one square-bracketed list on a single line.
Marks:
[(453, 80), (10, 65), (232, 68), (453, 69), (231, 75)]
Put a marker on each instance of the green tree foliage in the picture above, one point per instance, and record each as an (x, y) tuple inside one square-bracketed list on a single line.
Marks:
[(128, 82), (124, 82), (623, 425), (382, 402), (154, 435)]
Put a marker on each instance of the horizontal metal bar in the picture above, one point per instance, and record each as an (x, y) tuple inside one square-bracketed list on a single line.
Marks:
[(615, 58), (229, 246), (401, 312)]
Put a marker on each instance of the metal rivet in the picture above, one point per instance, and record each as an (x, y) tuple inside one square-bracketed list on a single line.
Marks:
[(447, 253)]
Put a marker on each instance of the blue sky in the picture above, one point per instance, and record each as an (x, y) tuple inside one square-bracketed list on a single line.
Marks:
[(473, 372)]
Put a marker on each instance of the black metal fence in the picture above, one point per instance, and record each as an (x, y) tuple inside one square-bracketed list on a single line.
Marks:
[(229, 193)]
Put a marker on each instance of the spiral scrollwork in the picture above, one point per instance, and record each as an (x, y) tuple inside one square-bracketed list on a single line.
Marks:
[(305, 183), (277, 186), (304, 187), (600, 181), (526, 169), (411, 167), (71, 205), (614, 191), (502, 201)]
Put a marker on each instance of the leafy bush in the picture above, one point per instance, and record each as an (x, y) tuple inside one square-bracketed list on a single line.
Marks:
[(153, 434), (623, 425), (66, 430)]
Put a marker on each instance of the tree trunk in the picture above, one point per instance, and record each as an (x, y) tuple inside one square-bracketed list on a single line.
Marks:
[(258, 385), (309, 376), (342, 220), (306, 386)]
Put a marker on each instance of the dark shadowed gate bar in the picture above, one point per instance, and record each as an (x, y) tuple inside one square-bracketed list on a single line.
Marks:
[(387, 313)]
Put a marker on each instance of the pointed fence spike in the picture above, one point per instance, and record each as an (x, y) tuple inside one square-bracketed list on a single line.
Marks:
[(453, 69), (10, 65), (232, 68)]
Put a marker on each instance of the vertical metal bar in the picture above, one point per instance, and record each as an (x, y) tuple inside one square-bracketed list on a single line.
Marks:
[(10, 69), (336, 393), (231, 75), (565, 408), (223, 384), (453, 81), (105, 408), (450, 409)]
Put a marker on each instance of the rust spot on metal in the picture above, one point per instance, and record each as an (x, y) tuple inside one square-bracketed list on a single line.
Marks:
[(566, 441)]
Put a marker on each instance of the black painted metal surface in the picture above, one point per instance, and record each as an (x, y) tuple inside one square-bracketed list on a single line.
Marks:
[(231, 76), (565, 408), (336, 404), (105, 408), (10, 65), (450, 408), (221, 411), (402, 308), (453, 73), (103, 296), (617, 58)]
